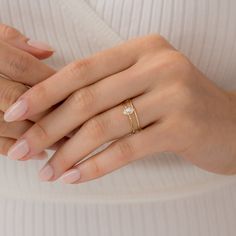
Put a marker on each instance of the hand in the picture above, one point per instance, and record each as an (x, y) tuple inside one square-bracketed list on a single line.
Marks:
[(179, 109), (16, 64)]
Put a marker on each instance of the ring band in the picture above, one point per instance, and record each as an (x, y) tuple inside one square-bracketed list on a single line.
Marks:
[(130, 111)]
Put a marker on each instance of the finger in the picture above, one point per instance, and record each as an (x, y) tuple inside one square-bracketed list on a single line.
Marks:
[(41, 156), (5, 144), (80, 107), (16, 39), (103, 128), (118, 154), (78, 75), (14, 129), (10, 91), (58, 144), (21, 66)]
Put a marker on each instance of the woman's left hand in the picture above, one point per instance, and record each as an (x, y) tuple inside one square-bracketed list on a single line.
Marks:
[(179, 110)]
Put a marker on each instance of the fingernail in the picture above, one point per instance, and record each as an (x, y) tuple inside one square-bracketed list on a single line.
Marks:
[(18, 150), (40, 156), (46, 173), (70, 176), (40, 45), (15, 111)]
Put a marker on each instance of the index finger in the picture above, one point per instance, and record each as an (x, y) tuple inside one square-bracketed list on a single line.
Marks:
[(22, 67), (16, 39)]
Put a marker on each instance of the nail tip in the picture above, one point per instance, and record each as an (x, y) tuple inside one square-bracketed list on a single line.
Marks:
[(40, 45), (6, 118), (70, 177), (18, 150), (46, 173), (16, 111), (43, 179), (61, 180)]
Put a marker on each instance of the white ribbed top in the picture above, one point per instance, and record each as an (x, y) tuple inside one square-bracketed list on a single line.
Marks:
[(161, 195)]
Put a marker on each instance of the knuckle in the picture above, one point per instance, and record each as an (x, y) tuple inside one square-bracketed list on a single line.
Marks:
[(183, 92), (155, 38), (19, 64), (96, 127), (179, 61), (180, 80), (125, 151), (11, 93), (7, 32), (153, 42), (79, 68), (173, 61), (180, 86), (82, 100)]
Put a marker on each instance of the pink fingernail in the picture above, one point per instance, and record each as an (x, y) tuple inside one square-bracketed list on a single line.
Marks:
[(70, 176), (40, 45), (46, 173), (15, 111), (18, 150)]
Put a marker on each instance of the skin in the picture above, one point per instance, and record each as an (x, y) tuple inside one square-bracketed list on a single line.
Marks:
[(21, 67), (179, 108)]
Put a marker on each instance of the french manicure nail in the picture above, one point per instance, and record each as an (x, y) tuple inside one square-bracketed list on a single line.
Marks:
[(46, 173), (15, 111), (18, 150), (40, 45), (70, 176)]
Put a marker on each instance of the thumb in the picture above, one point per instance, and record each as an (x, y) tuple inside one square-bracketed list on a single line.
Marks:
[(16, 39)]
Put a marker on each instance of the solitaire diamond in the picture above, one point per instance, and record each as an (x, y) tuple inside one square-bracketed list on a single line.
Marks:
[(128, 111)]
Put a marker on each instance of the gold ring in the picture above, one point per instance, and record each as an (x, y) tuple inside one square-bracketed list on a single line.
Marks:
[(130, 111)]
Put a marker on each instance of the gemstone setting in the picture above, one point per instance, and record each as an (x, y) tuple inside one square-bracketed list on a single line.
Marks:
[(128, 111)]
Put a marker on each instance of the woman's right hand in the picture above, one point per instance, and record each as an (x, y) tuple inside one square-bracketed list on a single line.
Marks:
[(20, 67)]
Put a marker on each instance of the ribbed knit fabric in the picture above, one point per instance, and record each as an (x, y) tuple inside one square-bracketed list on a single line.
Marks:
[(162, 195)]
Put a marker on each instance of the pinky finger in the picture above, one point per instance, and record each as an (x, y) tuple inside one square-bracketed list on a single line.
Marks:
[(118, 154)]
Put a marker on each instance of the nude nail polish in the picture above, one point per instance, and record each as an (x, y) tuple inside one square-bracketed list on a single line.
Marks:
[(46, 173), (15, 111), (18, 150), (70, 176), (40, 45)]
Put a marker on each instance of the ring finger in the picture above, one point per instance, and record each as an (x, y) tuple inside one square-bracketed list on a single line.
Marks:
[(101, 129)]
